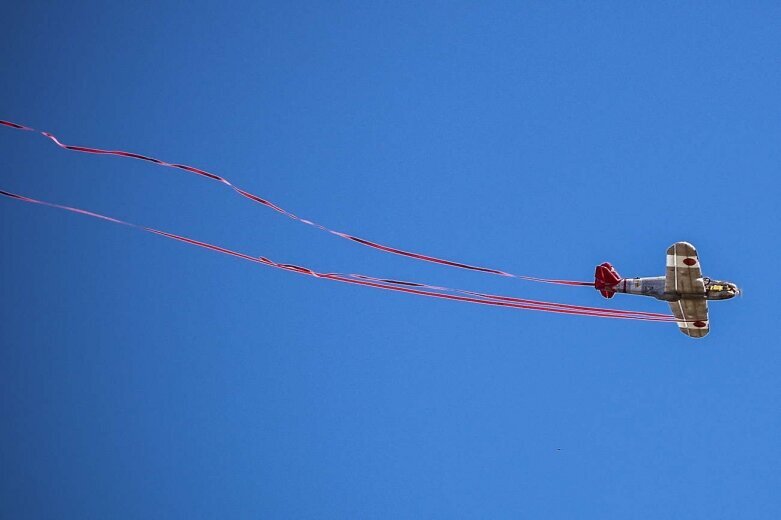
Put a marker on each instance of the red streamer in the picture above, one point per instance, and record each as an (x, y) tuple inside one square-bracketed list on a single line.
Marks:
[(259, 200), (430, 291)]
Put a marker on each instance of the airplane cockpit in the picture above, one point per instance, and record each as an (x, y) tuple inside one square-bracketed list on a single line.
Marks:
[(718, 290)]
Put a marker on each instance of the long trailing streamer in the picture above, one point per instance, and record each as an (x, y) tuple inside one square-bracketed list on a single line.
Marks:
[(430, 291), (255, 198)]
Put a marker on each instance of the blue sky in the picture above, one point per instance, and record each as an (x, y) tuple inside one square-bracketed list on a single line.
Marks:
[(142, 378)]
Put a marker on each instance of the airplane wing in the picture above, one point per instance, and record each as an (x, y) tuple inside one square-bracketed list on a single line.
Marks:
[(684, 277), (692, 317)]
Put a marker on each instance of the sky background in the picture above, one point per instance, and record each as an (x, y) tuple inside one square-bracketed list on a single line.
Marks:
[(144, 378)]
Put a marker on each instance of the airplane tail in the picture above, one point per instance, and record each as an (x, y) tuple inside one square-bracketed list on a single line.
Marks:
[(605, 279)]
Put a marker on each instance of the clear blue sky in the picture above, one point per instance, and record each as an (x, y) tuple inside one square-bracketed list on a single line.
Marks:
[(142, 378)]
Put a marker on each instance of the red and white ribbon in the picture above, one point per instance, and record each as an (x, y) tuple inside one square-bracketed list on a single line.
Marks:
[(279, 209), (419, 289)]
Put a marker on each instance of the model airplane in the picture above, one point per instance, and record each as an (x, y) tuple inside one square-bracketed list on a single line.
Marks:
[(683, 286)]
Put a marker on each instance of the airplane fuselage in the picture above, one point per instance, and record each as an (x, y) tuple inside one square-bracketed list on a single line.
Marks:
[(653, 286)]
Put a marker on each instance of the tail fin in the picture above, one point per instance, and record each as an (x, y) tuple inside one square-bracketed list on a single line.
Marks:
[(605, 279)]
